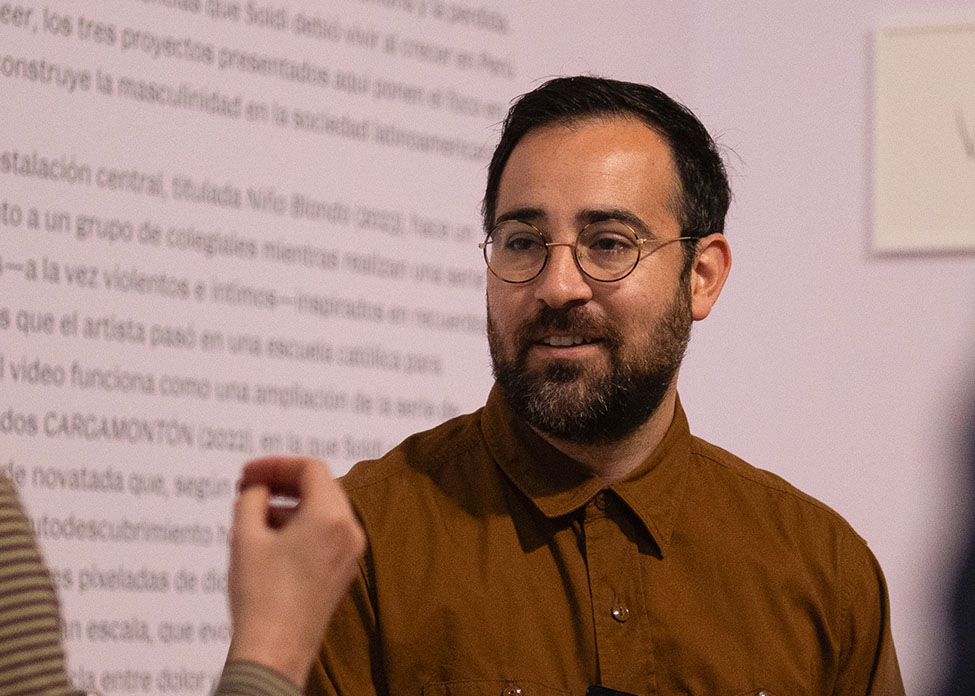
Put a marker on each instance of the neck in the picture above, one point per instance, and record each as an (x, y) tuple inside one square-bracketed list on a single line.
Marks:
[(613, 461)]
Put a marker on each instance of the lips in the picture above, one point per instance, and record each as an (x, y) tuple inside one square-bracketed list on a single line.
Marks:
[(564, 332), (565, 341)]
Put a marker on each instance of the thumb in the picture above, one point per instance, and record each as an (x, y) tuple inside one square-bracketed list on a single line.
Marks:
[(250, 512)]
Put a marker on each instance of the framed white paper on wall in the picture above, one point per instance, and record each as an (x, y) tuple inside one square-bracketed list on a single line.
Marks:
[(925, 139)]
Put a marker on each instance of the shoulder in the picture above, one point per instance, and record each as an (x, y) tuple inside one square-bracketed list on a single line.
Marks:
[(8, 494), (11, 510), (750, 480), (763, 517), (445, 471), (414, 501), (420, 455), (802, 553), (754, 499)]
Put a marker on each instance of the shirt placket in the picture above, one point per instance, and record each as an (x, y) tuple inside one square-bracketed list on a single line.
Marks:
[(624, 651)]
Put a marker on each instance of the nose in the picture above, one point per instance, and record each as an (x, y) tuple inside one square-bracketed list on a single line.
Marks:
[(561, 284)]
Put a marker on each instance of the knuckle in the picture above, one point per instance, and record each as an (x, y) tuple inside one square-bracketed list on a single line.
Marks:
[(345, 535)]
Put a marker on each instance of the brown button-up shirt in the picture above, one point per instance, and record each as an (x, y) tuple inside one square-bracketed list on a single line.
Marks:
[(497, 565)]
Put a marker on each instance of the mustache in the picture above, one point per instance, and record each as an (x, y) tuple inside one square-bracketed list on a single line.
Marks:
[(577, 320), (561, 318)]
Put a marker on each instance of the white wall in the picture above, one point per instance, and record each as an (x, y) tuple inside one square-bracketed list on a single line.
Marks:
[(851, 374)]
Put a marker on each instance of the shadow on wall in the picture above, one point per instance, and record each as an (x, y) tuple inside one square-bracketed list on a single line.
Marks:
[(961, 677)]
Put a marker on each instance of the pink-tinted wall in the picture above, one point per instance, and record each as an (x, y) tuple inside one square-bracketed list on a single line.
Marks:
[(849, 373)]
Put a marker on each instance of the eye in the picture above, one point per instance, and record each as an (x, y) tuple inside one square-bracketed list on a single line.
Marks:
[(610, 242), (523, 242), (516, 237)]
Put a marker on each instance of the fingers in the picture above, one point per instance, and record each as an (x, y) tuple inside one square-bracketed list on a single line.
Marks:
[(298, 487), (296, 476), (280, 510), (250, 511)]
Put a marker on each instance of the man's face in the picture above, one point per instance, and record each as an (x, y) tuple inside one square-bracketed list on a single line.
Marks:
[(581, 360)]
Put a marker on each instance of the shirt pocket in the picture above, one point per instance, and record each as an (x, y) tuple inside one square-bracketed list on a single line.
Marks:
[(491, 687)]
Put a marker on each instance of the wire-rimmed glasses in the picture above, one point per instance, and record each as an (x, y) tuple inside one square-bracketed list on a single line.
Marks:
[(605, 250)]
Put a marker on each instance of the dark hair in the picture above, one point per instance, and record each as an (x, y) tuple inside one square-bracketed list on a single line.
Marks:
[(704, 193)]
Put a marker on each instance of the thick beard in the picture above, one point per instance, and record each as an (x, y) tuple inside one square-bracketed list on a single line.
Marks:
[(584, 406)]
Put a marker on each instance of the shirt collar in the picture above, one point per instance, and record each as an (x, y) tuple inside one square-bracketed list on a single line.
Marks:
[(558, 485)]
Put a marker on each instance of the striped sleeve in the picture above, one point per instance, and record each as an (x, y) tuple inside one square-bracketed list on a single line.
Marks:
[(31, 653), (246, 678)]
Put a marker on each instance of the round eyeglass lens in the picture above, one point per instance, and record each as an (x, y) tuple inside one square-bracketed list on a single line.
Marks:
[(515, 251), (607, 250)]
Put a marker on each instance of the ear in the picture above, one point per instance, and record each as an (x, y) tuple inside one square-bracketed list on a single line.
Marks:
[(712, 262)]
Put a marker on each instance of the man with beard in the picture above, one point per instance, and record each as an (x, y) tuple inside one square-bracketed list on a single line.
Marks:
[(572, 534)]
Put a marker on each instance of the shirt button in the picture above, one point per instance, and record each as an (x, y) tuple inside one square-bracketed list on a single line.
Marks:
[(600, 500), (620, 612), (512, 691)]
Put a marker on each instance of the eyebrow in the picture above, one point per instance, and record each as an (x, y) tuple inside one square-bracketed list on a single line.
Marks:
[(590, 215), (583, 217), (525, 214)]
